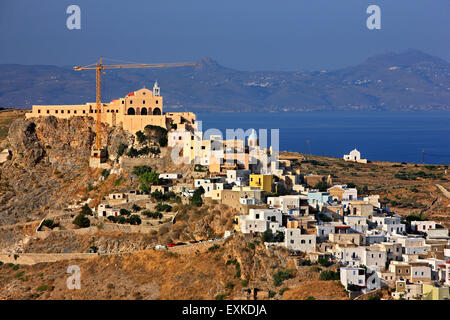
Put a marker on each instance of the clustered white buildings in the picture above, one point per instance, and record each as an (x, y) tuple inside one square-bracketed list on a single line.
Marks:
[(373, 247)]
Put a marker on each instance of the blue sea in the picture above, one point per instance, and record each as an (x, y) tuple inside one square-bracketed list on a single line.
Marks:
[(379, 136)]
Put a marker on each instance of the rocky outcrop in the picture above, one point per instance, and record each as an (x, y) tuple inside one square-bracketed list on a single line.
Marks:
[(48, 164), (24, 142)]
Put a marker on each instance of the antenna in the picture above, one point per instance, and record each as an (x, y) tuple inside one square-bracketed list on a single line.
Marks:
[(423, 156)]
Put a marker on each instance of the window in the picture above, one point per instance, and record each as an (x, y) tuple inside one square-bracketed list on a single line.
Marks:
[(68, 111), (292, 241), (39, 111), (131, 101), (156, 101), (48, 111), (143, 101), (56, 111), (257, 216)]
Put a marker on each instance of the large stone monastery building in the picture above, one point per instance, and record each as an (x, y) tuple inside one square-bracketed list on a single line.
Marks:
[(133, 112)]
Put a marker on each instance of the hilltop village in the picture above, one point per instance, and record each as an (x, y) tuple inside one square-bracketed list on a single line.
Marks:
[(266, 195)]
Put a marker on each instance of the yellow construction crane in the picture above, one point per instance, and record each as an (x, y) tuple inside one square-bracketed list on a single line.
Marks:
[(100, 66)]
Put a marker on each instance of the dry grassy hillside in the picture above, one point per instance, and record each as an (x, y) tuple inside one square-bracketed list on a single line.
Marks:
[(221, 272)]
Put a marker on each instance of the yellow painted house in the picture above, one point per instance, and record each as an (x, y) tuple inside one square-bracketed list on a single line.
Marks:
[(431, 292), (262, 181)]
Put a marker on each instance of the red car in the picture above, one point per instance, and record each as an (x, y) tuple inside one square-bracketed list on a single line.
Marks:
[(170, 245)]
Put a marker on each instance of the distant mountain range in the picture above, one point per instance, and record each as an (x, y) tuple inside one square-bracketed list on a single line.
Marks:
[(410, 80)]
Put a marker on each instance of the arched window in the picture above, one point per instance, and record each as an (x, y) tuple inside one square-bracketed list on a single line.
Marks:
[(144, 112), (157, 111), (131, 111)]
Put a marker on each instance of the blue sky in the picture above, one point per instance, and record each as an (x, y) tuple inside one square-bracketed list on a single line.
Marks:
[(245, 34)]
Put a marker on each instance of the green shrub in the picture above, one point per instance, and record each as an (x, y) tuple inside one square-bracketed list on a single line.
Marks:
[(271, 294), (268, 236), (324, 217), (19, 274), (147, 180), (42, 288), (213, 248), (134, 220), (196, 198), (105, 173), (49, 223), (310, 298), (132, 153), (136, 208), (124, 212), (220, 296), (229, 285), (280, 276), (283, 290), (138, 170), (140, 136), (329, 275), (163, 207), (244, 283), (154, 215), (86, 210), (121, 149), (324, 262), (81, 221)]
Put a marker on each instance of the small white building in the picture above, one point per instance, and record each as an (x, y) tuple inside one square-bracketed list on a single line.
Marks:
[(423, 226), (105, 210), (169, 176), (238, 176), (354, 156), (209, 185), (178, 137), (295, 240), (259, 220), (290, 204), (355, 276), (357, 223)]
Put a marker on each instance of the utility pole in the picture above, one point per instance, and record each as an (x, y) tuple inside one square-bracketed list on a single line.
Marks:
[(423, 156), (308, 150)]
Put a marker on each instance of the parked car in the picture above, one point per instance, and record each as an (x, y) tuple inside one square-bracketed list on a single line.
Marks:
[(180, 243), (170, 245), (160, 247)]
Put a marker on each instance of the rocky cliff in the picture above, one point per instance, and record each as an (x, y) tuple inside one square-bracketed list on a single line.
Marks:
[(49, 164)]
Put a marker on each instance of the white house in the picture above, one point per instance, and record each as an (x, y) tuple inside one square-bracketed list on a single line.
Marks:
[(423, 226), (178, 137), (354, 156), (295, 240), (237, 176), (412, 244), (357, 223), (259, 220), (374, 257), (209, 185), (355, 276), (105, 210), (290, 204)]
